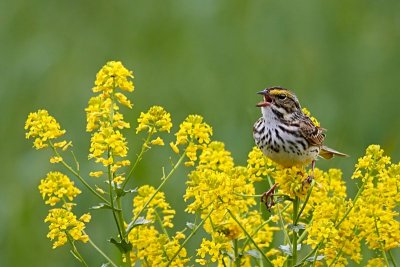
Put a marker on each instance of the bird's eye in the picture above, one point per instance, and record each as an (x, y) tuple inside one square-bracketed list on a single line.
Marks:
[(282, 96)]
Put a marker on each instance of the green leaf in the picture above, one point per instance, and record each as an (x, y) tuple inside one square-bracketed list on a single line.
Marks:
[(297, 227), (103, 206), (122, 245), (190, 225), (282, 199), (229, 254), (288, 249), (139, 221), (253, 253), (312, 259), (122, 192)]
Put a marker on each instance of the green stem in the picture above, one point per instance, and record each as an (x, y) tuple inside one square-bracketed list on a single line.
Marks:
[(102, 253), (392, 258), (282, 225), (281, 221), (248, 236), (111, 190), (164, 180), (78, 176), (314, 251), (255, 232), (122, 228), (119, 214), (138, 159), (161, 225), (315, 258), (337, 257), (349, 209), (189, 237), (303, 235), (75, 252), (296, 203), (305, 202), (381, 242), (236, 249)]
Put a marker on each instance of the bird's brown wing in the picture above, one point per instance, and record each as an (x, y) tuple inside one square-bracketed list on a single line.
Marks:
[(313, 134)]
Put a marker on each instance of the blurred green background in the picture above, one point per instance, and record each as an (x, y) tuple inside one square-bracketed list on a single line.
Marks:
[(342, 59)]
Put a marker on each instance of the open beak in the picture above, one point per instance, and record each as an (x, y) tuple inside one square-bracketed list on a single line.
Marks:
[(267, 100)]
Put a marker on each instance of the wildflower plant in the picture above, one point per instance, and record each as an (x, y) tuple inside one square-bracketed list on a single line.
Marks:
[(311, 224)]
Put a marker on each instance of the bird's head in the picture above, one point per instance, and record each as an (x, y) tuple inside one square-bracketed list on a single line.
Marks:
[(279, 99)]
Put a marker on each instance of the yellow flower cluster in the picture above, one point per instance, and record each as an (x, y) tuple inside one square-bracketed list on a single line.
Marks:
[(107, 142), (328, 205), (155, 120), (111, 76), (292, 181), (213, 249), (149, 245), (64, 225), (194, 133), (313, 119), (342, 224), (57, 186), (43, 128), (157, 204), (376, 212), (216, 186), (376, 262), (153, 248), (258, 165)]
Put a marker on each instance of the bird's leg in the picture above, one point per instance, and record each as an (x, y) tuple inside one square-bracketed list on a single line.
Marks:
[(311, 177), (268, 197)]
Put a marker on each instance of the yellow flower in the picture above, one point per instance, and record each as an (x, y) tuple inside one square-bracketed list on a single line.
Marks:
[(259, 165), (376, 262), (313, 119), (193, 129), (211, 248), (149, 246), (64, 145), (279, 261), (96, 174), (158, 141), (107, 140), (56, 186), (119, 179), (63, 223), (174, 147), (123, 100), (108, 145), (157, 204), (194, 133), (327, 205), (375, 211), (43, 128), (292, 181), (56, 159), (217, 185), (113, 75), (97, 112), (155, 249), (155, 120)]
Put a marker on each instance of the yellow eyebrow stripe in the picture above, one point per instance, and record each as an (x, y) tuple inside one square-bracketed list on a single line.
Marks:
[(279, 92)]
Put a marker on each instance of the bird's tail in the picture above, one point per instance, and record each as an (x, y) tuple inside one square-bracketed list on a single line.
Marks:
[(328, 153)]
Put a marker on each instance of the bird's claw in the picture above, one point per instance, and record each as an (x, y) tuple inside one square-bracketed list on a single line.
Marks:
[(268, 197)]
